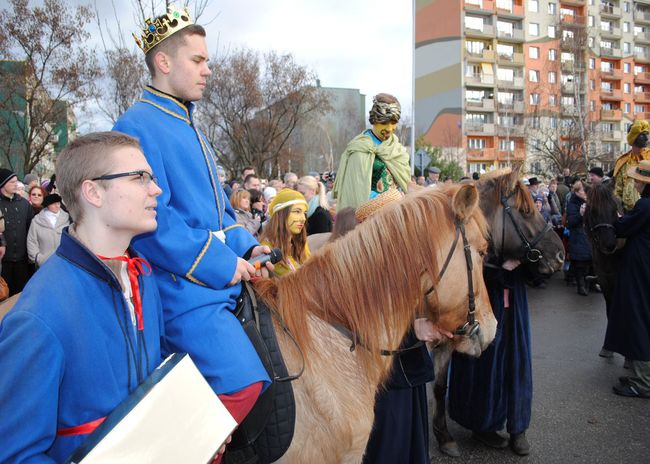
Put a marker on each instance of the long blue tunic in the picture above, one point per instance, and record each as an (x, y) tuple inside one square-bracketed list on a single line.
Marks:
[(69, 353), (496, 388), (192, 265)]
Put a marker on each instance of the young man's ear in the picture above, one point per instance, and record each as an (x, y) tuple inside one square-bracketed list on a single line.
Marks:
[(91, 193), (161, 61)]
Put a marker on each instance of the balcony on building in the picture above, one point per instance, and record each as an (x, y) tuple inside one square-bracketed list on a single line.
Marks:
[(614, 135), (642, 97), (642, 15), (568, 87), (479, 128), (572, 66), (645, 115), (609, 11), (486, 104), (573, 20), (480, 79), (511, 130), (570, 110), (612, 32), (643, 2), (642, 37), (516, 83), (516, 59), (514, 35), (611, 74), (484, 56), (642, 78), (480, 153), (574, 2), (480, 6), (612, 52), (512, 8), (611, 94), (512, 155), (478, 26), (642, 55), (515, 106), (610, 115)]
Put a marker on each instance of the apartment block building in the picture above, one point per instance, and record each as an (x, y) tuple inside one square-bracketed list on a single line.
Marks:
[(499, 80)]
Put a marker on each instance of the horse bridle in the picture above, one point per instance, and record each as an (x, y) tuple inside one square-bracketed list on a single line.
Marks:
[(533, 254), (471, 327)]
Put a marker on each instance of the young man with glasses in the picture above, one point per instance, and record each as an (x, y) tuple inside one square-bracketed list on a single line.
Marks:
[(198, 251), (86, 330)]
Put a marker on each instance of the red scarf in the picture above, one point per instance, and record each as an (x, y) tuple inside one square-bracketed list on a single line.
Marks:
[(136, 267)]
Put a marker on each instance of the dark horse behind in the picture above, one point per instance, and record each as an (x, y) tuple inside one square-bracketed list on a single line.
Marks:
[(603, 209), (517, 231)]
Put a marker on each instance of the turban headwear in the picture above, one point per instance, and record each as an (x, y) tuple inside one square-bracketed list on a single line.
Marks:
[(637, 128)]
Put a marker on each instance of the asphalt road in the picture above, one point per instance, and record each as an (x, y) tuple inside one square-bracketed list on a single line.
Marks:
[(576, 416)]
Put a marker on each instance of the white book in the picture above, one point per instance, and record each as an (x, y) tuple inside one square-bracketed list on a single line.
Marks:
[(173, 417)]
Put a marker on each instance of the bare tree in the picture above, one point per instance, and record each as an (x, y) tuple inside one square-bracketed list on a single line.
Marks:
[(255, 104), (57, 72)]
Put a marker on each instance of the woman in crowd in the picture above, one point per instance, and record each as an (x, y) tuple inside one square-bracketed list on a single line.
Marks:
[(258, 205), (318, 216), (628, 328), (286, 230), (579, 246), (554, 203), (36, 197), (241, 202), (45, 230)]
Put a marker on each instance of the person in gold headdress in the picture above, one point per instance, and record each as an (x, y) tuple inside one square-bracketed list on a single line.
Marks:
[(637, 136), (374, 160)]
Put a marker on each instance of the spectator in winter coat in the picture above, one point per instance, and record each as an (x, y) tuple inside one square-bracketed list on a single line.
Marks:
[(45, 231)]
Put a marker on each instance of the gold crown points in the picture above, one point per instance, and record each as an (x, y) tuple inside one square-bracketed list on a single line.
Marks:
[(158, 29)]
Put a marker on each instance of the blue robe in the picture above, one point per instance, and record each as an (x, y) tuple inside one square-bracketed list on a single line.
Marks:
[(70, 353), (192, 265), (400, 431), (496, 388)]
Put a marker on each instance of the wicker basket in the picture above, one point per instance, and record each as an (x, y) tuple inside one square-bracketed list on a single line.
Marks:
[(367, 209)]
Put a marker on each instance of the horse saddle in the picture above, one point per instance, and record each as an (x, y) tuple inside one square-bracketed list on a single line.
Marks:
[(266, 433)]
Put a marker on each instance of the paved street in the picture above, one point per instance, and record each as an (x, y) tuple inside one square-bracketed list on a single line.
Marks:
[(576, 417)]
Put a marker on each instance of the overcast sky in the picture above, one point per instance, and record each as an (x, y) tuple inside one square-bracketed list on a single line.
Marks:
[(363, 44)]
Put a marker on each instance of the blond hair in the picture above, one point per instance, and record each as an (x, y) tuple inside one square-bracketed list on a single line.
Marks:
[(319, 189), (170, 45), (237, 196), (85, 158)]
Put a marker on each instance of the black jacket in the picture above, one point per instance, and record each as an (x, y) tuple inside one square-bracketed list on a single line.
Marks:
[(579, 245), (18, 215), (319, 222)]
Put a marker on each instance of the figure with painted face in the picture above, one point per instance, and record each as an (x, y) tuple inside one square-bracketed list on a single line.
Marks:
[(375, 160), (199, 252), (637, 136), (287, 230)]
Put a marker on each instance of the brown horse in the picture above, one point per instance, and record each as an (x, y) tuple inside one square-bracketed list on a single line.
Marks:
[(516, 231), (374, 281)]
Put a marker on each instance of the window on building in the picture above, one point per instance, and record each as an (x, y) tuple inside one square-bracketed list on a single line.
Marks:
[(639, 108), (506, 74), (568, 100), (607, 106), (626, 68), (474, 46), (475, 144), (639, 89), (533, 52), (479, 118), (627, 87), (606, 66), (592, 84), (552, 100), (552, 8), (533, 75), (474, 96), (627, 107), (552, 54), (592, 105), (590, 42), (626, 26), (627, 47), (506, 145), (552, 77), (567, 35), (533, 29), (534, 99), (590, 21), (505, 51), (626, 7), (474, 22), (533, 6), (592, 63), (638, 68), (552, 122), (505, 98), (551, 31), (606, 87)]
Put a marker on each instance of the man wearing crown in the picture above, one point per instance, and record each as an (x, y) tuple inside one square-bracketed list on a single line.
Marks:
[(197, 251)]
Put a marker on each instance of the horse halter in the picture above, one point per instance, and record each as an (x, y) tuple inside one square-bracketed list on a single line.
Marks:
[(596, 238), (471, 327), (533, 254)]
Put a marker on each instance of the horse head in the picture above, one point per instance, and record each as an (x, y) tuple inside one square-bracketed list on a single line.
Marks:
[(517, 229), (460, 303), (602, 211)]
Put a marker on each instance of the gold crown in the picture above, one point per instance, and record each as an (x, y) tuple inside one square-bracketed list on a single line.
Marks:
[(158, 29)]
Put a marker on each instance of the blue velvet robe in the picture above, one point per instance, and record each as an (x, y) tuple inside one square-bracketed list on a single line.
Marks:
[(70, 353), (400, 432), (497, 388), (192, 265)]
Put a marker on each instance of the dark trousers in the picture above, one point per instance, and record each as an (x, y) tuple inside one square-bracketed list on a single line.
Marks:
[(16, 274)]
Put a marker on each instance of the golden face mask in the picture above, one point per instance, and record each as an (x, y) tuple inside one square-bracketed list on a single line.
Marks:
[(297, 218), (384, 131)]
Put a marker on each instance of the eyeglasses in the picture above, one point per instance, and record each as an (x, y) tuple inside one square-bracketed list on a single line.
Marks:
[(145, 177)]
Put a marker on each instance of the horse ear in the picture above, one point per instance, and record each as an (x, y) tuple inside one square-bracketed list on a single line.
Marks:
[(464, 202), (516, 174)]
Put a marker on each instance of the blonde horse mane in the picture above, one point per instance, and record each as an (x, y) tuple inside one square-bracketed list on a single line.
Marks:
[(369, 281), (506, 182)]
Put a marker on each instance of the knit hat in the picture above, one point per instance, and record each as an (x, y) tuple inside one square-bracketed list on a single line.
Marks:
[(29, 178), (637, 128), (269, 194), (5, 176), (285, 198), (51, 199)]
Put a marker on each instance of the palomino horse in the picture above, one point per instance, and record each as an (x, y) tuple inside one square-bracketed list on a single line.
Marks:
[(601, 213), (517, 231), (374, 281)]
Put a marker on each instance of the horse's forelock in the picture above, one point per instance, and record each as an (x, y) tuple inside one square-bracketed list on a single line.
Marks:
[(602, 204)]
